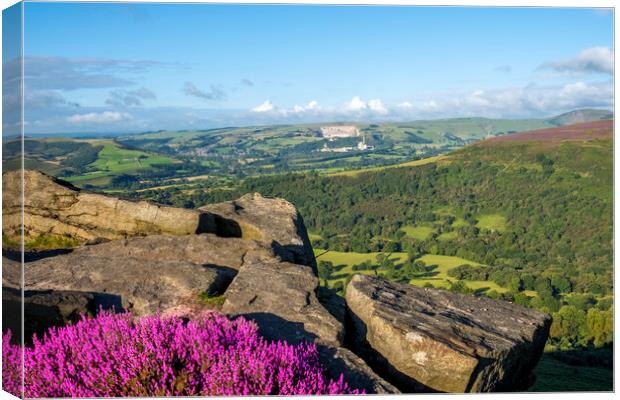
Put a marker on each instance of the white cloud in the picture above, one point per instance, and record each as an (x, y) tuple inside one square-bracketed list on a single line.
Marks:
[(532, 100), (521, 102), (101, 118), (264, 107), (377, 106), (311, 106), (592, 60), (356, 104)]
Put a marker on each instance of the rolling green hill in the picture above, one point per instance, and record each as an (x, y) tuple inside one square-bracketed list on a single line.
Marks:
[(166, 158), (96, 163)]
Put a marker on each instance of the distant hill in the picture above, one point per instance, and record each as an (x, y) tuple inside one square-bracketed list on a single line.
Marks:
[(581, 131), (577, 116)]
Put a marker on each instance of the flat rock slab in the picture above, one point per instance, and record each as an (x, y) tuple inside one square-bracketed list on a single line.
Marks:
[(55, 207), (141, 287), (148, 274), (204, 249), (281, 298), (430, 339), (275, 222)]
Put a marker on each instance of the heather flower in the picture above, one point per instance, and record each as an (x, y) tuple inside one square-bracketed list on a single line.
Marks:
[(119, 355), (11, 366)]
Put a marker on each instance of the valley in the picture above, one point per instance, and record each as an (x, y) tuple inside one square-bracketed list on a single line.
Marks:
[(524, 217), (167, 158)]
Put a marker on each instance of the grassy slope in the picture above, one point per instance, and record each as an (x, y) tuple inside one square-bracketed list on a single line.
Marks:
[(115, 160), (414, 163), (555, 376)]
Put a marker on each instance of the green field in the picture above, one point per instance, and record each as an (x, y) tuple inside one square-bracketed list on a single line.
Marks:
[(114, 160), (492, 222), (438, 277), (349, 259), (448, 235), (346, 260), (418, 232), (314, 236), (414, 163)]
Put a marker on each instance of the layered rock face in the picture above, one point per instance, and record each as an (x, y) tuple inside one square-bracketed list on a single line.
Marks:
[(428, 339), (55, 207), (254, 252)]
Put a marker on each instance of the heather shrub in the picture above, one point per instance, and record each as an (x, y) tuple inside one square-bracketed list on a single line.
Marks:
[(11, 366), (119, 355)]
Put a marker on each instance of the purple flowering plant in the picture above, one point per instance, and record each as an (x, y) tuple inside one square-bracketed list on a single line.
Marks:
[(119, 355)]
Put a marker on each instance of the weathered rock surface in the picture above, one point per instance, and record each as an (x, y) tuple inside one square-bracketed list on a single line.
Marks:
[(281, 298), (339, 360), (55, 207), (275, 222), (149, 274), (443, 341), (204, 249)]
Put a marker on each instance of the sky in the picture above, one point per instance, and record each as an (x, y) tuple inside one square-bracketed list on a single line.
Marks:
[(108, 67)]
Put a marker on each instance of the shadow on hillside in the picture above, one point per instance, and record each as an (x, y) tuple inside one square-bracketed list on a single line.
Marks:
[(584, 370)]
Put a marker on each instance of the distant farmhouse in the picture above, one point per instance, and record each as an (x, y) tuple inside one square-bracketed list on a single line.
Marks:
[(339, 131)]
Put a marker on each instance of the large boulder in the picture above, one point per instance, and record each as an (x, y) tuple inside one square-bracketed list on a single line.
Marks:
[(274, 222), (149, 274), (55, 207), (281, 298), (430, 339)]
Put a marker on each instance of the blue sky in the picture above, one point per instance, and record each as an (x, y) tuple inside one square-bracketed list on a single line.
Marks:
[(131, 67)]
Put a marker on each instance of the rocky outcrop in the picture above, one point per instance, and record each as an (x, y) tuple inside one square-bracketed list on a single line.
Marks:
[(55, 207), (274, 222), (281, 298), (149, 274), (429, 339)]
